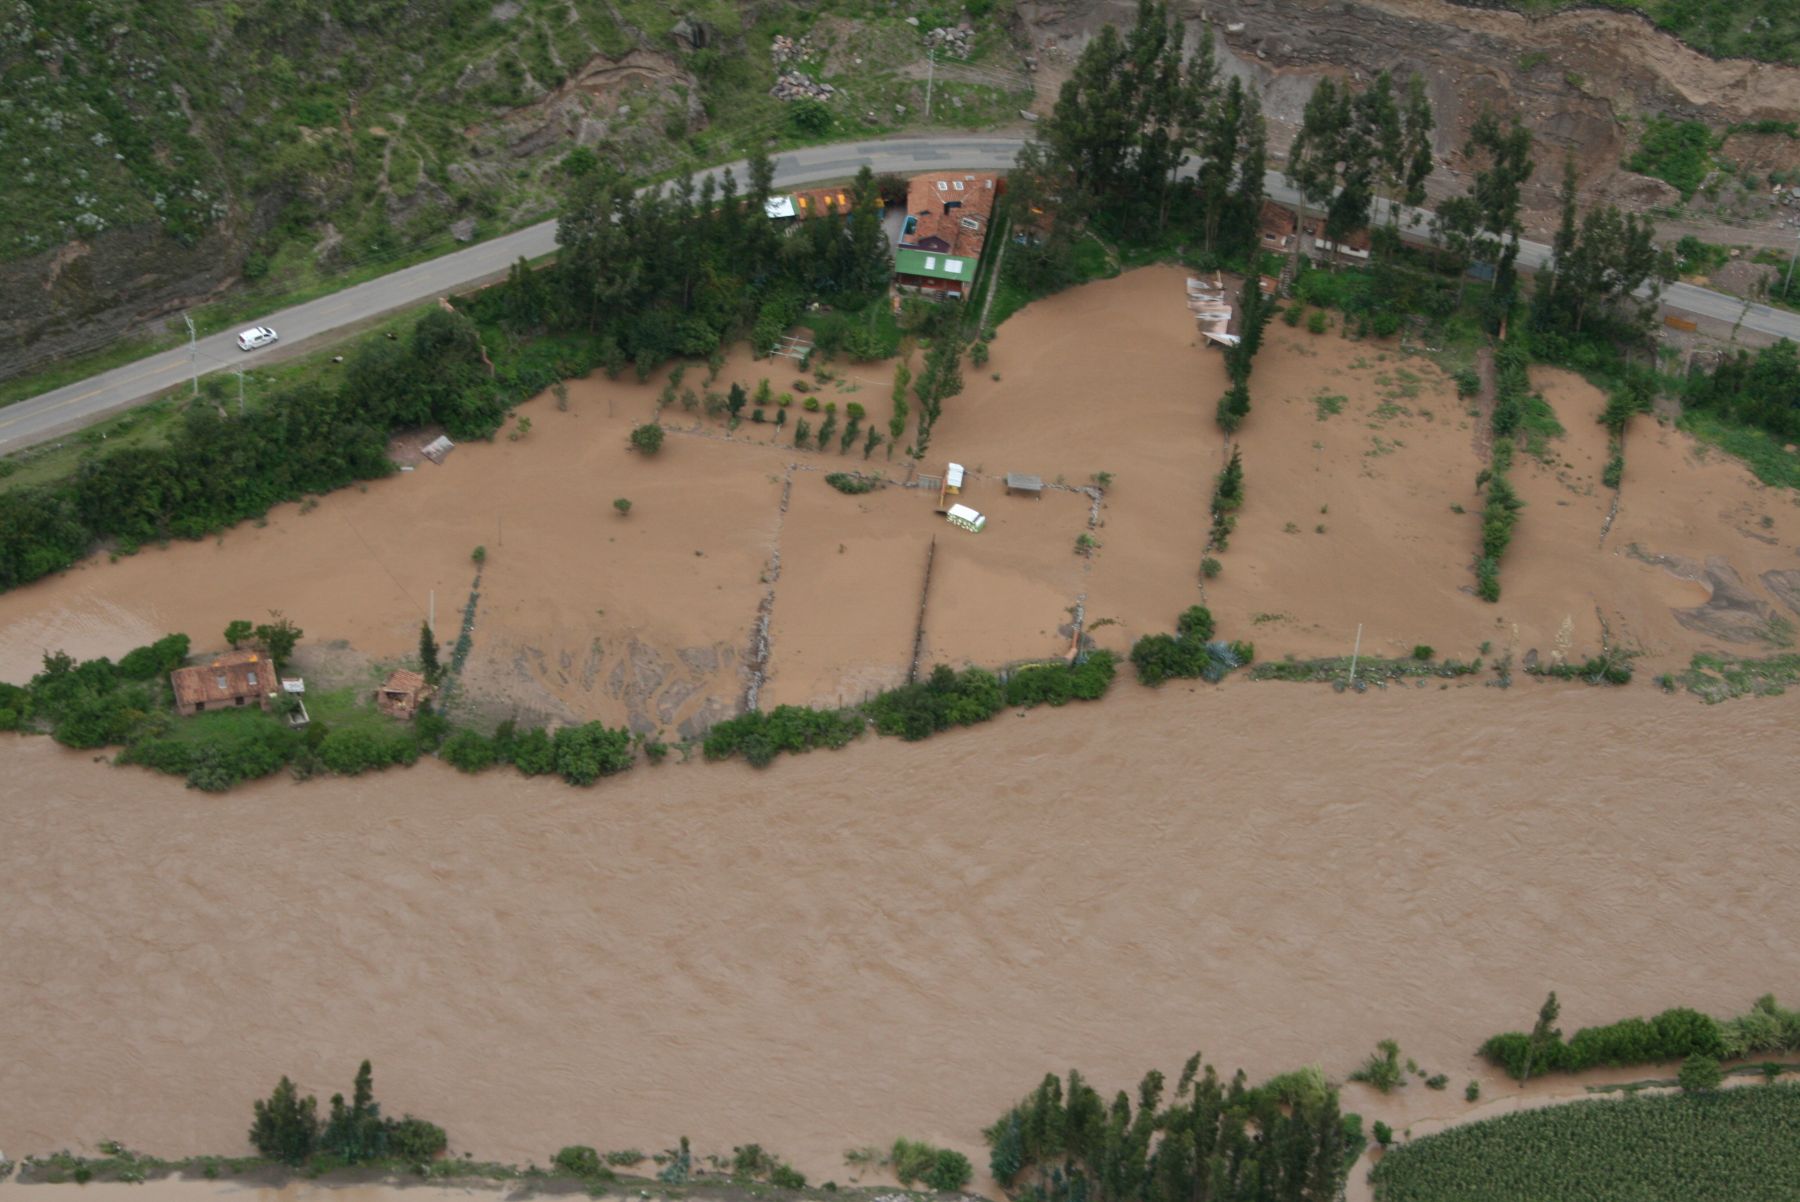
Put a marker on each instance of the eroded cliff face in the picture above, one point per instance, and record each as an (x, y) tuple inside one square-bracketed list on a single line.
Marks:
[(1580, 80)]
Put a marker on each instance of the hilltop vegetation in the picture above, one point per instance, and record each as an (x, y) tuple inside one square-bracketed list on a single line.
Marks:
[(1758, 29), (323, 135)]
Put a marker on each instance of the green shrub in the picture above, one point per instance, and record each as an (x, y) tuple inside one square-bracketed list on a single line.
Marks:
[(1057, 684), (532, 753), (416, 1140), (1384, 1134), (1672, 1035), (647, 439), (351, 750), (1472, 1092), (469, 751), (1678, 152), (578, 1160), (1187, 654), (760, 736), (1614, 473), (1210, 567), (158, 659), (786, 1176), (1316, 321), (950, 1172), (940, 1168), (944, 699), (1381, 1070), (587, 752), (853, 483), (1291, 314), (1699, 1074), (1422, 652), (1195, 622)]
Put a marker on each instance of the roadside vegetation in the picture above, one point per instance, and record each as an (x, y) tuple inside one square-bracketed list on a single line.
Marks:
[(310, 144), (1696, 1146)]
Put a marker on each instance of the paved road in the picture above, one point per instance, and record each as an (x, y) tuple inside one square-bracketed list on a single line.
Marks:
[(44, 417)]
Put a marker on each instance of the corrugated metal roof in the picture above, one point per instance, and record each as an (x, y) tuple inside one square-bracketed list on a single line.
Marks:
[(910, 261)]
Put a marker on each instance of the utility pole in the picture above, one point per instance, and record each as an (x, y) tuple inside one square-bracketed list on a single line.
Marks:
[(193, 354), (1356, 654), (1790, 275), (930, 72)]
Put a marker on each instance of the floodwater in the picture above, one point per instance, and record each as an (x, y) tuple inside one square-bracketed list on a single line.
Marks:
[(900, 940), (894, 939)]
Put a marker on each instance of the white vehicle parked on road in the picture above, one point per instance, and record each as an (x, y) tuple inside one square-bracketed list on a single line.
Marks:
[(256, 336)]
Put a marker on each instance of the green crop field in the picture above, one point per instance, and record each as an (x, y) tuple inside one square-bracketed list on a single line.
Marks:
[(1739, 1145)]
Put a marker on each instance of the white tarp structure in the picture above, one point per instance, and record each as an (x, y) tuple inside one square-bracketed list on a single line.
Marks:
[(1221, 338), (437, 448), (968, 519), (778, 207), (953, 478)]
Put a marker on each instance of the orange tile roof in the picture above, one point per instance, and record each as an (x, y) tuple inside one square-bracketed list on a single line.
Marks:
[(816, 202), (232, 675), (403, 680), (941, 202)]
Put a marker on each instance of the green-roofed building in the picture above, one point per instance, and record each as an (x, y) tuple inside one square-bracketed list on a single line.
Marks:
[(932, 271)]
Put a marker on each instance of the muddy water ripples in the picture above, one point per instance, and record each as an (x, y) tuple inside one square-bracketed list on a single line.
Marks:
[(892, 939)]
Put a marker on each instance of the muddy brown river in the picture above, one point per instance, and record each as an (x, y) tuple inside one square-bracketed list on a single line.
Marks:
[(890, 940)]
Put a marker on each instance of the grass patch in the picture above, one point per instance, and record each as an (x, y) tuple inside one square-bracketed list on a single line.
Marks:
[(1329, 404), (149, 424), (1335, 670), (1734, 1144), (1677, 152), (1763, 454), (1716, 678)]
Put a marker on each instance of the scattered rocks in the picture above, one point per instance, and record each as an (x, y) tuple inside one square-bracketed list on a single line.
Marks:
[(791, 85), (463, 230), (953, 41), (784, 50)]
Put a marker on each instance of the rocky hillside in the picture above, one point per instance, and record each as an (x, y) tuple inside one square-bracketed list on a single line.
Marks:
[(171, 150), (1590, 83)]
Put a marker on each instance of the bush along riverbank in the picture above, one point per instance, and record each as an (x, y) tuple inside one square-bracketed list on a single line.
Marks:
[(131, 705), (1675, 1034)]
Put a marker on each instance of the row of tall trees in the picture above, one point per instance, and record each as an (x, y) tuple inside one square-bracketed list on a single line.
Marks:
[(681, 269), (1353, 147), (1134, 113), (1601, 260), (1213, 1141), (218, 467)]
